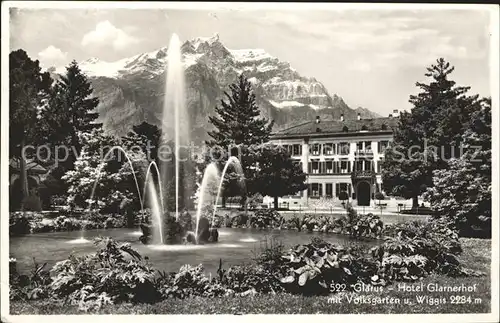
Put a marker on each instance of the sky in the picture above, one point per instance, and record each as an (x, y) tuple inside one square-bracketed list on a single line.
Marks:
[(371, 58)]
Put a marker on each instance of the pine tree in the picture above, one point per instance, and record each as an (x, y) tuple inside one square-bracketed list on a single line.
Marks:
[(437, 119), (29, 90), (278, 175), (462, 191), (238, 131), (72, 108)]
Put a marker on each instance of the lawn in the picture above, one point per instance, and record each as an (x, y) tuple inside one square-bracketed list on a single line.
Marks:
[(476, 255)]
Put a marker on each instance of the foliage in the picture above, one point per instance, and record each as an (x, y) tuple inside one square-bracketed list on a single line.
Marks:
[(28, 287), (238, 131), (278, 175), (343, 196), (417, 248), (29, 91), (113, 179), (32, 203), (438, 118), (115, 273), (19, 224), (357, 225), (188, 282), (462, 192), (315, 267), (264, 218)]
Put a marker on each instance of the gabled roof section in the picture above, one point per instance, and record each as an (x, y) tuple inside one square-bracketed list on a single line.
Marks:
[(332, 127)]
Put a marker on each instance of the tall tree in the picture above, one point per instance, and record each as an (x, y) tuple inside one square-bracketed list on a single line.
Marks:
[(239, 129), (29, 90), (462, 192), (428, 136), (278, 175), (72, 109)]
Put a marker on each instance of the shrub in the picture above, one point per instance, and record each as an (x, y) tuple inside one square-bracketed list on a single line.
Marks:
[(32, 203), (115, 273), (19, 224), (417, 248), (189, 281), (315, 267), (28, 287), (265, 218)]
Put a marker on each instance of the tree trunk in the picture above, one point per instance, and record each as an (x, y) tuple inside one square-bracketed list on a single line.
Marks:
[(415, 202), (23, 173), (276, 202), (223, 200)]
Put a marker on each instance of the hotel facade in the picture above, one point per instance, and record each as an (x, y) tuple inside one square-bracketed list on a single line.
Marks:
[(338, 155)]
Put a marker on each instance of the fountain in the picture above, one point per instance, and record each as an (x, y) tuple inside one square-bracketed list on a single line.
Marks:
[(161, 228)]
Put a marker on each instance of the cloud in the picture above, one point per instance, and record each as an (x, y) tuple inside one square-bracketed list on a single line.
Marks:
[(106, 34), (52, 55)]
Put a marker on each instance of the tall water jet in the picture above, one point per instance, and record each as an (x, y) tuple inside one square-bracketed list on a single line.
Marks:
[(211, 173), (239, 170), (174, 106)]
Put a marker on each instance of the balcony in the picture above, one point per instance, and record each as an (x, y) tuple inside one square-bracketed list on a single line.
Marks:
[(363, 152), (363, 174)]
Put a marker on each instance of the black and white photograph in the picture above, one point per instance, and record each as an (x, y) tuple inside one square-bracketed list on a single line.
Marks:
[(174, 159)]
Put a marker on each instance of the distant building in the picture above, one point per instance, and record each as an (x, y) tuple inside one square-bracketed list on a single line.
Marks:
[(338, 155)]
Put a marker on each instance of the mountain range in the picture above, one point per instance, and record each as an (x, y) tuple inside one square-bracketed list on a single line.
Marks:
[(131, 90)]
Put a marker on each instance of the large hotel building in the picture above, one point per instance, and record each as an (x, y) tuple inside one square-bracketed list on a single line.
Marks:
[(338, 155)]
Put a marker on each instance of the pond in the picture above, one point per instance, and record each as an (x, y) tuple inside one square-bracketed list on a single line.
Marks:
[(235, 247)]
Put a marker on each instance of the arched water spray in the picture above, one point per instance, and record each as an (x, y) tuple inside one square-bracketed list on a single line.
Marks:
[(175, 119), (211, 173), (101, 165), (237, 167), (146, 180), (157, 215)]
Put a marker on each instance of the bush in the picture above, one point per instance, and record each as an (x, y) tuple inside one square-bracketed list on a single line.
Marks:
[(265, 218), (188, 282), (32, 203), (315, 267), (418, 248), (115, 273), (19, 224), (28, 287)]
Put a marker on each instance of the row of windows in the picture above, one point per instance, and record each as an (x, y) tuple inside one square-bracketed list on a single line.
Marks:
[(342, 148), (316, 189), (341, 167)]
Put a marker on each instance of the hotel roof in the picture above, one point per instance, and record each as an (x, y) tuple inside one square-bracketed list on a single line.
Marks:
[(338, 128)]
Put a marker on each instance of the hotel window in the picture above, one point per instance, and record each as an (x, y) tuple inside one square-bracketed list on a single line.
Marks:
[(315, 190), (383, 145), (342, 187), (314, 167), (345, 167), (329, 190), (368, 145), (383, 127), (328, 149), (297, 150), (345, 129), (359, 145), (344, 148), (329, 167), (368, 165), (358, 165), (315, 149), (364, 128)]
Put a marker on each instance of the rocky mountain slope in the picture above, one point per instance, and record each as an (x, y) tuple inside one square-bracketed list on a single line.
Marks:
[(131, 90)]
